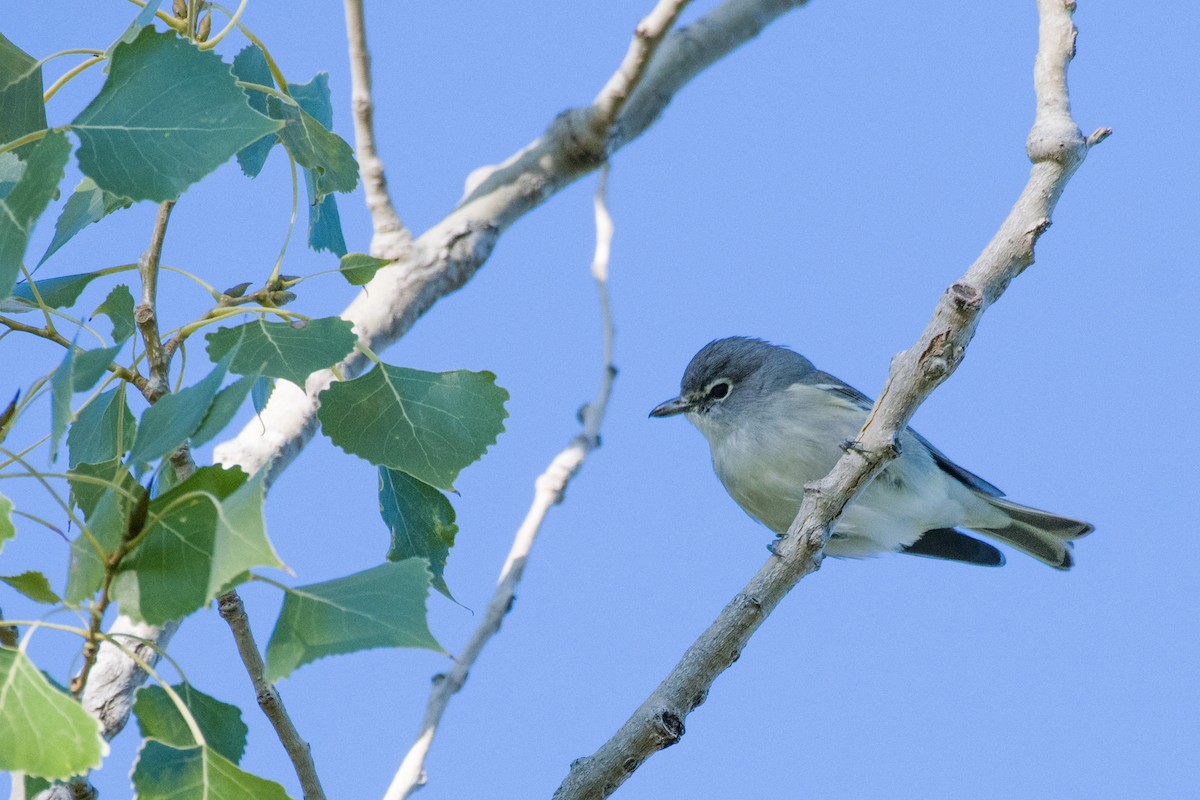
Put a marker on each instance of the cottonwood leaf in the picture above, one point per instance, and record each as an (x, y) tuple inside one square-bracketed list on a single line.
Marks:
[(223, 408), (87, 204), (24, 199), (90, 365), (221, 723), (380, 607), (163, 772), (359, 268), (89, 482), (33, 585), (250, 66), (43, 731), (316, 148), (20, 95), (62, 387), (168, 114), (104, 429), (175, 417), (421, 521), (324, 221), (61, 292), (284, 350), (428, 424), (106, 524), (261, 393), (118, 307), (200, 538), (7, 529)]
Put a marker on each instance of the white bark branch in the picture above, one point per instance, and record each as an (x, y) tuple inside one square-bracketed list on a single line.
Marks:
[(548, 491), (1056, 147), (447, 255), (392, 239)]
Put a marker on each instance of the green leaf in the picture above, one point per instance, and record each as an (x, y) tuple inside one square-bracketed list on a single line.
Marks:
[(144, 17), (59, 292), (283, 349), (168, 115), (62, 387), (25, 201), (359, 268), (250, 66), (33, 585), (428, 424), (421, 521), (380, 607), (104, 429), (118, 307), (22, 110), (261, 393), (196, 773), (169, 422), (201, 538), (226, 404), (324, 221), (43, 731), (86, 489), (90, 366), (221, 723), (316, 148), (7, 529), (106, 524), (87, 204)]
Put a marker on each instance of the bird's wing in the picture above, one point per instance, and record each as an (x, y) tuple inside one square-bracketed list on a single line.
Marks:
[(827, 382)]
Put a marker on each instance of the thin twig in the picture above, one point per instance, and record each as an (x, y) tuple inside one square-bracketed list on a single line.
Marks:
[(648, 34), (392, 239), (1056, 147), (548, 490), (145, 314), (234, 612)]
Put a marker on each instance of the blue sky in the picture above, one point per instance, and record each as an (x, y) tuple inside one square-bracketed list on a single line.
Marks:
[(819, 188)]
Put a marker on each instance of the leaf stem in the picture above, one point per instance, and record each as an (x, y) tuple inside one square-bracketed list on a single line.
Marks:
[(233, 23), (69, 74), (33, 136)]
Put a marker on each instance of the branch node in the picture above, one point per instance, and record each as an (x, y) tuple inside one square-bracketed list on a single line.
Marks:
[(668, 728), (1099, 135), (966, 298)]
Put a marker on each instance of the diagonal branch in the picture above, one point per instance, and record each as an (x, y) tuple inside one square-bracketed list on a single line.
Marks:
[(233, 611), (548, 491), (449, 254), (392, 239), (1056, 147)]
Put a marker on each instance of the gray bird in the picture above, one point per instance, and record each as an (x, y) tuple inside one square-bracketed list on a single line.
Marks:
[(774, 423)]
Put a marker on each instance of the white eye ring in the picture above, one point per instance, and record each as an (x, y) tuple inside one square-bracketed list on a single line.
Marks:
[(718, 390)]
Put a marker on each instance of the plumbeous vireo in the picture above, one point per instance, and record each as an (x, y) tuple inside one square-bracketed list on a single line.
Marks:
[(774, 423)]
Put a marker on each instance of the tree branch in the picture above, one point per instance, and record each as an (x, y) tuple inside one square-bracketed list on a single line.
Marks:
[(1056, 147), (233, 611), (392, 239), (147, 319), (449, 254), (548, 491)]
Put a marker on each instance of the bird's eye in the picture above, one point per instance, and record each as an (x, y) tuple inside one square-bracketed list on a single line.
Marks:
[(719, 390)]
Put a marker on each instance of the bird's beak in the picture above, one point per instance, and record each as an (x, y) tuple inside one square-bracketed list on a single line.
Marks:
[(676, 405)]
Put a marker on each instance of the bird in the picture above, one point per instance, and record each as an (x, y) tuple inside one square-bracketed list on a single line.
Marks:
[(774, 422)]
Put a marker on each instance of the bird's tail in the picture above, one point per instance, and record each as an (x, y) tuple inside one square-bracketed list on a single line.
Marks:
[(1045, 536)]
